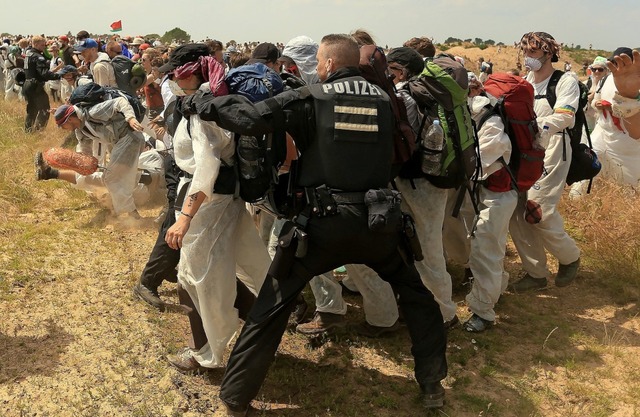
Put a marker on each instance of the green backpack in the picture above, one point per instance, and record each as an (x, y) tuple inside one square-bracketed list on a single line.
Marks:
[(441, 93)]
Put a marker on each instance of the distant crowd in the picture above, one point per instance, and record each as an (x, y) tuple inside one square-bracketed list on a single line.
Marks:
[(280, 164)]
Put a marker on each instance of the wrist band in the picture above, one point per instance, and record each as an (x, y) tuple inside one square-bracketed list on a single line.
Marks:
[(185, 214), (624, 107)]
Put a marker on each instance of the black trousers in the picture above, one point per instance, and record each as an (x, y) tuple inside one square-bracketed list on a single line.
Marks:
[(37, 106), (334, 241), (163, 260)]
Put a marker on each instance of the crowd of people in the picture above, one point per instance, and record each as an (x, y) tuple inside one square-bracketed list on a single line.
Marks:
[(234, 261)]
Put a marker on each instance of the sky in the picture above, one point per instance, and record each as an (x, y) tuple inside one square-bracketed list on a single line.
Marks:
[(605, 24)]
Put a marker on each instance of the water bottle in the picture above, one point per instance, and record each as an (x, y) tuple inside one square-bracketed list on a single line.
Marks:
[(433, 142), (543, 138)]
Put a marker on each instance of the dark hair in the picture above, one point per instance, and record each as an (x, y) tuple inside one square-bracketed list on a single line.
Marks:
[(214, 46), (423, 45), (83, 34), (237, 59)]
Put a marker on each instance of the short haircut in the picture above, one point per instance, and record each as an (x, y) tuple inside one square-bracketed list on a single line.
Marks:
[(114, 46), (237, 59), (83, 34), (37, 39), (342, 48), (423, 45)]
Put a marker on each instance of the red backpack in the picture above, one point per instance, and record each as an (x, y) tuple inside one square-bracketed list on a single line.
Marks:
[(514, 105), (373, 68)]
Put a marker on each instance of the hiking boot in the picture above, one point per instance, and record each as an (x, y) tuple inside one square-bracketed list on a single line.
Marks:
[(476, 324), (567, 273), (299, 313), (368, 330), (432, 395), (43, 170), (451, 323), (184, 362), (321, 323), (528, 283), (148, 295)]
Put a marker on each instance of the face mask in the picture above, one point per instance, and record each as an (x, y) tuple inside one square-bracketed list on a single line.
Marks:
[(533, 64), (176, 90)]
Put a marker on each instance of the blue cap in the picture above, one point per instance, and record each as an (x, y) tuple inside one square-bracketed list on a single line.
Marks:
[(67, 69), (86, 44)]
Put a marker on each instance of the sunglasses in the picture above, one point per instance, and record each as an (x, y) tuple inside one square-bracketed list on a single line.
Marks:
[(597, 69)]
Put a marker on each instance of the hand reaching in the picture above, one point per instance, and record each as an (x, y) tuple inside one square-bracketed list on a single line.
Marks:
[(626, 74)]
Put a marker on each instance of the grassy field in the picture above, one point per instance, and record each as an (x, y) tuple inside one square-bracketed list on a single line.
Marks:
[(74, 342)]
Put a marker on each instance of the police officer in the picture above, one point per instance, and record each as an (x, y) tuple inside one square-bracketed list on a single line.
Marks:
[(342, 128), (36, 68)]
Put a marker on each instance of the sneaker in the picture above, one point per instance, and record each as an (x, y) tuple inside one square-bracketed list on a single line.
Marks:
[(148, 295), (567, 273), (321, 323), (184, 362), (451, 323), (368, 330), (432, 395), (476, 324), (528, 283)]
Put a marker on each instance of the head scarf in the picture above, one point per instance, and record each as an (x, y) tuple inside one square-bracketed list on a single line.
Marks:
[(209, 69), (542, 41)]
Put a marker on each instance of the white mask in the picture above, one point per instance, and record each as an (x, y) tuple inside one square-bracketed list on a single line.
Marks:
[(176, 90), (533, 64)]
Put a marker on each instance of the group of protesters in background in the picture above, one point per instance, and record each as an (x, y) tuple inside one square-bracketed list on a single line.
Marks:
[(207, 242)]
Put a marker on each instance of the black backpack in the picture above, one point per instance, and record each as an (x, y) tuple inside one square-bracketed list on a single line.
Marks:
[(123, 69), (258, 158), (584, 161), (90, 94)]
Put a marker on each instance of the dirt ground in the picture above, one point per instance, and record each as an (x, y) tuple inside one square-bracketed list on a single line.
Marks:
[(75, 342)]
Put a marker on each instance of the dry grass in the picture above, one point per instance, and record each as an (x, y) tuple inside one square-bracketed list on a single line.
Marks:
[(73, 342)]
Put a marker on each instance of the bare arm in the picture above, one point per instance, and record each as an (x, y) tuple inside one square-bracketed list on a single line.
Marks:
[(176, 233), (626, 75)]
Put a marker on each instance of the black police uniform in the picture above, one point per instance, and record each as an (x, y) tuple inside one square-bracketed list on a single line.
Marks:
[(36, 69), (343, 130)]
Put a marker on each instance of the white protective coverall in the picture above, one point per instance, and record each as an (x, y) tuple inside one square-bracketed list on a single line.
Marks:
[(532, 240), (222, 239), (105, 130), (617, 151), (488, 244)]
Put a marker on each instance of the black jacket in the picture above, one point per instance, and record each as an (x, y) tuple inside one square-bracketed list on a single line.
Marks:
[(36, 67)]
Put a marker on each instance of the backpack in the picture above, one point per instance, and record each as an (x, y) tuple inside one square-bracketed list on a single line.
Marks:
[(584, 161), (441, 93), (256, 81), (489, 69), (373, 68), (123, 68), (258, 158), (90, 94), (514, 104)]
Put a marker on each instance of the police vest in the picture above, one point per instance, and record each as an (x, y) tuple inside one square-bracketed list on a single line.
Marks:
[(353, 144)]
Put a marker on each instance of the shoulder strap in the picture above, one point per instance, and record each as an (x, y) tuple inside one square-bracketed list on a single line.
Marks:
[(601, 84), (551, 88)]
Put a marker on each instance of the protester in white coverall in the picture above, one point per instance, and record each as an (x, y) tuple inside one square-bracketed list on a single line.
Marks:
[(496, 202), (426, 203), (214, 230), (533, 240), (617, 151), (107, 127)]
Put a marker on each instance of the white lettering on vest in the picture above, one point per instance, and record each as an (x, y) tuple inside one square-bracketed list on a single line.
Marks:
[(339, 87), (326, 88)]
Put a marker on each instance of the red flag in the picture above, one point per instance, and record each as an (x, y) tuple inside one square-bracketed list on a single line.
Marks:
[(116, 26)]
